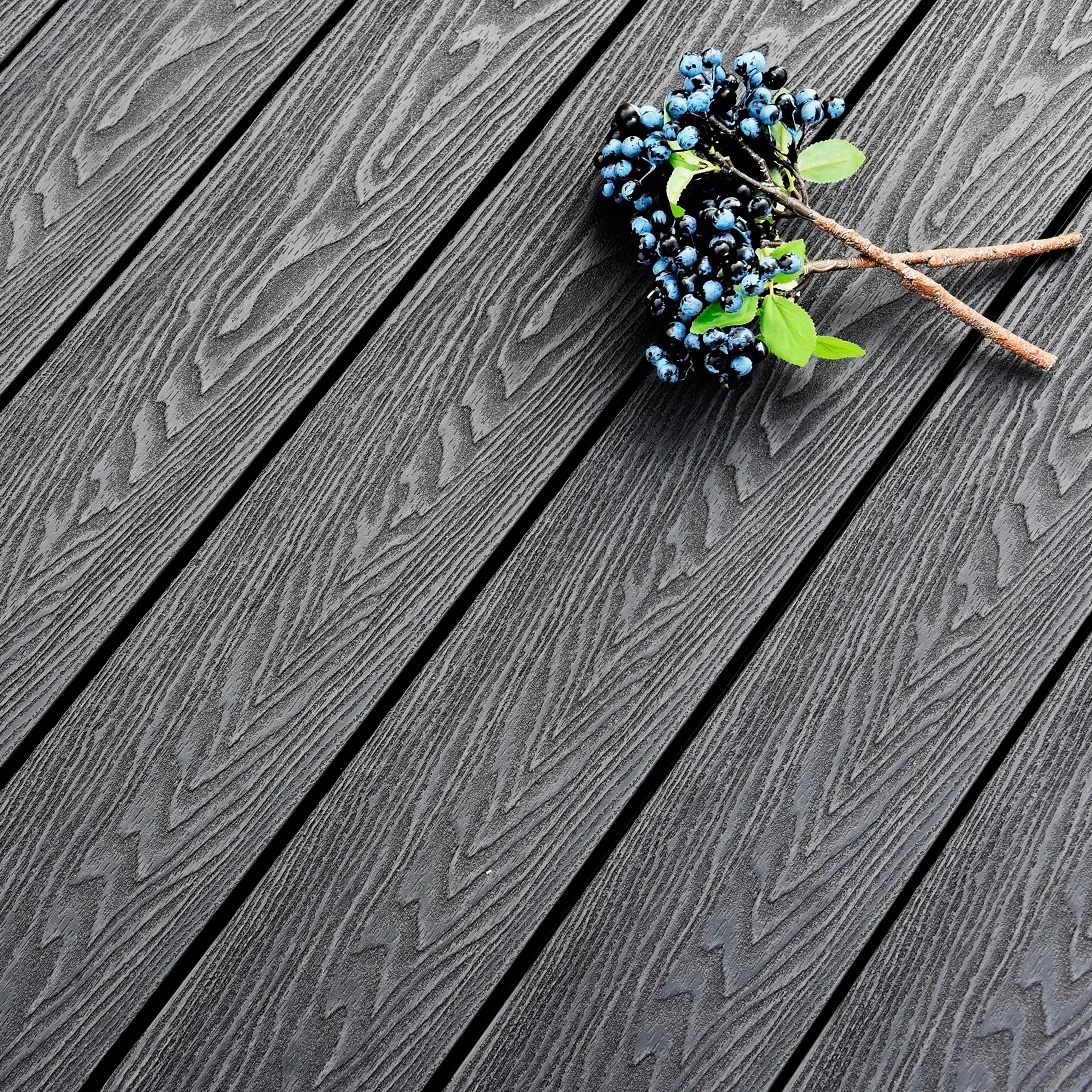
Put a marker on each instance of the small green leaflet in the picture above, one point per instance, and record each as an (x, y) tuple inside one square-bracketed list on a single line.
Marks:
[(834, 348), (787, 329), (686, 165), (829, 161), (715, 316)]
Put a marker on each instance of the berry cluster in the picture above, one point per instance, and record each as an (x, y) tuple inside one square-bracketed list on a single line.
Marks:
[(717, 249)]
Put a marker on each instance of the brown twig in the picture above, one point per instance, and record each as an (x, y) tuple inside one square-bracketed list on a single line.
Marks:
[(946, 256), (916, 282)]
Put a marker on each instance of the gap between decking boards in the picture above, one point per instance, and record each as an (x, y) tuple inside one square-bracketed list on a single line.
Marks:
[(153, 227), (451, 617), (340, 364), (21, 44), (734, 669)]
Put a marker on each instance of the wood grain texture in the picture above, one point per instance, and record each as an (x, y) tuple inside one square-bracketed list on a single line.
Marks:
[(425, 870), (224, 706), (984, 982), (107, 112), (717, 930), (148, 413), (17, 20)]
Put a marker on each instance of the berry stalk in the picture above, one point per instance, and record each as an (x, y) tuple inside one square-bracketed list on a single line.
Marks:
[(916, 282), (950, 256)]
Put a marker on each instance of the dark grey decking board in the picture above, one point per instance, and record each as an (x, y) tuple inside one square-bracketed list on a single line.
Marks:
[(428, 866), (717, 930), (18, 20), (106, 113), (232, 697), (984, 981), (152, 408)]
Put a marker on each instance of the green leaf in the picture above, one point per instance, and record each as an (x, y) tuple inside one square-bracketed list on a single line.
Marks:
[(715, 316), (834, 348), (787, 329), (676, 183), (793, 246), (829, 161), (686, 164), (691, 161), (677, 210)]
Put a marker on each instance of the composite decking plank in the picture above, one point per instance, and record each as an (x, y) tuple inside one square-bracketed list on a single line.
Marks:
[(232, 697), (149, 412), (983, 982), (18, 20), (426, 869), (107, 112), (717, 930)]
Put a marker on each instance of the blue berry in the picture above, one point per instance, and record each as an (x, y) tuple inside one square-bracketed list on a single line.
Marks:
[(622, 168), (677, 330), (690, 307), (712, 338), (836, 108), (643, 203), (699, 102), (811, 112), (805, 94), (607, 171), (762, 96), (654, 353), (651, 116), (676, 105), (749, 127), (687, 256), (751, 285), (725, 219), (791, 263), (687, 225), (688, 137), (667, 372), (712, 291), (659, 217), (641, 225), (692, 341), (660, 265), (712, 57), (660, 153), (769, 115), (690, 65), (741, 365), (671, 132), (608, 189), (705, 266), (631, 147), (670, 286), (628, 190), (739, 337), (732, 304)]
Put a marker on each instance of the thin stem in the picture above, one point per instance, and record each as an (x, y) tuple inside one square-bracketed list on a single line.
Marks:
[(946, 256), (916, 282)]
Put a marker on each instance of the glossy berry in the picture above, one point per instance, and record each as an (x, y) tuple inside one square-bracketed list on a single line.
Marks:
[(776, 77)]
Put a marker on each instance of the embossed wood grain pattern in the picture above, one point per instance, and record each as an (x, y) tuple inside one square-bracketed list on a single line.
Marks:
[(17, 20), (426, 869), (715, 933), (107, 112), (984, 982), (150, 411), (223, 707)]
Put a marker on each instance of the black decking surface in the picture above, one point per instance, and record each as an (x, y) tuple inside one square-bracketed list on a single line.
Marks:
[(401, 690)]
